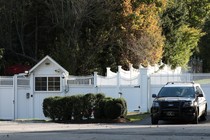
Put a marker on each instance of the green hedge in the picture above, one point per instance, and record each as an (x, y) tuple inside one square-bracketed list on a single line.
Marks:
[(115, 108), (83, 107), (52, 108)]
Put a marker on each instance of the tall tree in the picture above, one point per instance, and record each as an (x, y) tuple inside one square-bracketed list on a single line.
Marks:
[(181, 36), (84, 33), (25, 30), (198, 12), (89, 35), (144, 41), (204, 47)]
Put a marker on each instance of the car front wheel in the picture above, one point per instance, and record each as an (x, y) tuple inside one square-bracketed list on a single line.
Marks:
[(195, 120), (154, 120), (203, 117)]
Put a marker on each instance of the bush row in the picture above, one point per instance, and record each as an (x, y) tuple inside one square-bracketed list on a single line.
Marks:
[(82, 107)]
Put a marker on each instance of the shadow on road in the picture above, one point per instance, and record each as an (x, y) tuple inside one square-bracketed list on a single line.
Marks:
[(147, 121)]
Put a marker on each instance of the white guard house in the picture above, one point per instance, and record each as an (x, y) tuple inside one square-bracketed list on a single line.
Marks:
[(21, 96)]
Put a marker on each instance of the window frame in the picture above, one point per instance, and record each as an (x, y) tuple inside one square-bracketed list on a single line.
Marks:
[(53, 83), (199, 90)]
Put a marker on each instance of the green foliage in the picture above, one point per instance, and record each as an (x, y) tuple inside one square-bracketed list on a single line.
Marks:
[(52, 108), (24, 31), (115, 108), (99, 110), (180, 51), (89, 34), (99, 106), (111, 109), (47, 108), (204, 46), (182, 36), (103, 33), (89, 103), (199, 11), (77, 107), (67, 108), (143, 34)]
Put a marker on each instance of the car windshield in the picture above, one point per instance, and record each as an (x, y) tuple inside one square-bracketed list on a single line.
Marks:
[(177, 92)]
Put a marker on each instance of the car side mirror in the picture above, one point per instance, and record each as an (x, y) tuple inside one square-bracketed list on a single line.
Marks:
[(154, 95), (200, 95)]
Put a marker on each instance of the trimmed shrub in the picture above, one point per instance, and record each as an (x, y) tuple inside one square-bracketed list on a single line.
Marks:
[(99, 110), (99, 97), (115, 108), (111, 110), (99, 106), (80, 107), (123, 111), (52, 108), (58, 108), (77, 107), (67, 110), (48, 108), (88, 105)]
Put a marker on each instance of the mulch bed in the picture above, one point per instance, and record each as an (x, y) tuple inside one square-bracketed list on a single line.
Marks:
[(86, 121)]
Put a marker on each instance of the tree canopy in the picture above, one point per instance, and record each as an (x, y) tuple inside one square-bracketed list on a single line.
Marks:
[(204, 47), (143, 34), (90, 35), (182, 23)]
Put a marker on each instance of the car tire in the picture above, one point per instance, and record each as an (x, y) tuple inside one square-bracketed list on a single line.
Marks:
[(195, 120), (154, 120), (203, 117)]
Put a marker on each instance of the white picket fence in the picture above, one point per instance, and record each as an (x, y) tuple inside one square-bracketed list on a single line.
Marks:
[(138, 86), (135, 85), (131, 85)]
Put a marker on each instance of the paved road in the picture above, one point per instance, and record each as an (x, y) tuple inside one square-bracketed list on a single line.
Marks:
[(133, 131), (147, 121)]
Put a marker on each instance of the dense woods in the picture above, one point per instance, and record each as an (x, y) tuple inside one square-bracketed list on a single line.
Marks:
[(89, 35)]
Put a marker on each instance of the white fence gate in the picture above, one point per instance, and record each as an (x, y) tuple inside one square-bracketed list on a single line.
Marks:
[(6, 98), (115, 86), (14, 100), (6, 103)]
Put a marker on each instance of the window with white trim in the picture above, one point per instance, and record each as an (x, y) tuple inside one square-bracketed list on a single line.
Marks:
[(47, 84)]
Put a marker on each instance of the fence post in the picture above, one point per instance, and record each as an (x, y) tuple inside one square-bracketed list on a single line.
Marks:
[(15, 101), (32, 100), (108, 71), (95, 81), (131, 72), (119, 81), (144, 73)]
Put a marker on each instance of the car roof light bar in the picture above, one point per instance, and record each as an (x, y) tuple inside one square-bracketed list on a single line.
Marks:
[(192, 82)]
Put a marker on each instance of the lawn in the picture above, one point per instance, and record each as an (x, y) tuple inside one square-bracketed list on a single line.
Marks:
[(203, 81), (133, 116)]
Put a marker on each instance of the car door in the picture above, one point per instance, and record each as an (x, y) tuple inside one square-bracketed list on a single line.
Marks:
[(201, 101)]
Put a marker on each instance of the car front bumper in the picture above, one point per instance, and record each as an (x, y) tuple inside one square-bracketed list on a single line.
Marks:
[(183, 114)]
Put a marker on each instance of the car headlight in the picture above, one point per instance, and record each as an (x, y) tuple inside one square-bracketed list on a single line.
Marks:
[(188, 104), (155, 104)]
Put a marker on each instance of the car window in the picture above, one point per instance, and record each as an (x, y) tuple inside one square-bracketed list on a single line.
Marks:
[(177, 92)]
